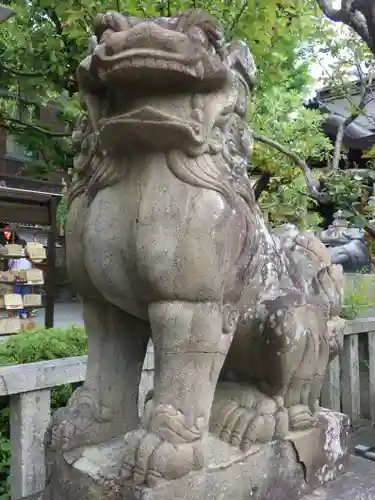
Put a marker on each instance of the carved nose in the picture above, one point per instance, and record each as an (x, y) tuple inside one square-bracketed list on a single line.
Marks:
[(146, 35)]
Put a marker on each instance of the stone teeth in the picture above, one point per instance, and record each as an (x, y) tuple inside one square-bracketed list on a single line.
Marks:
[(149, 62)]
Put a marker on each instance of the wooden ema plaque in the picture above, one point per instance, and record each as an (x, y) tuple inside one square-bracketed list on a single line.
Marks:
[(8, 276), (10, 325), (32, 300), (36, 252), (31, 276), (14, 250), (13, 301)]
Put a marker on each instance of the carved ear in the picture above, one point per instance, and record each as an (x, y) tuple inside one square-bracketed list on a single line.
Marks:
[(109, 21), (239, 58)]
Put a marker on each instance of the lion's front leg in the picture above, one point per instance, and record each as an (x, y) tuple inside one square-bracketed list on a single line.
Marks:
[(190, 348)]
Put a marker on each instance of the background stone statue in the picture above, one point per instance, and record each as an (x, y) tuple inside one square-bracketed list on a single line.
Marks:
[(165, 240), (347, 245)]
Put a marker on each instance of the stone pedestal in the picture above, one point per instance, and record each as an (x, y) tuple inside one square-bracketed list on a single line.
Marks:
[(279, 470)]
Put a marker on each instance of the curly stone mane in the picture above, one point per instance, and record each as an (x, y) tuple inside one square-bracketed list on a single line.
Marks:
[(229, 139)]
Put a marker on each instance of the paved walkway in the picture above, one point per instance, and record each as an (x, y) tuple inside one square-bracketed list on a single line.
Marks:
[(364, 435), (357, 483), (66, 314)]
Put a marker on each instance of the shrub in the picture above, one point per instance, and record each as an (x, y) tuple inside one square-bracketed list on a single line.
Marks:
[(43, 344), (358, 296), (39, 345)]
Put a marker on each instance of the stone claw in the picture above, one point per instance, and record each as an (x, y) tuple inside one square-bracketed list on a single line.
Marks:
[(168, 450), (244, 427), (82, 420), (300, 417), (244, 421), (132, 443)]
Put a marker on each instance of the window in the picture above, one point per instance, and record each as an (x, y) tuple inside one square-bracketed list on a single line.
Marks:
[(16, 150), (25, 112)]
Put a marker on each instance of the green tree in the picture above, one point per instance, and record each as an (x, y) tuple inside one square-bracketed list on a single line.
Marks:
[(349, 73), (42, 45), (358, 15)]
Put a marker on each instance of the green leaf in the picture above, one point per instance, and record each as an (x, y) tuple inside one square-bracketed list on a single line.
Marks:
[(287, 39), (359, 221)]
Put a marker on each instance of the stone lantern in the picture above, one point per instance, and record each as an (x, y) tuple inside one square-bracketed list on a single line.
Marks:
[(347, 245), (5, 12)]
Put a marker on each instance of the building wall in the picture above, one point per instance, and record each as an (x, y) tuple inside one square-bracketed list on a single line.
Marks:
[(11, 167), (11, 176)]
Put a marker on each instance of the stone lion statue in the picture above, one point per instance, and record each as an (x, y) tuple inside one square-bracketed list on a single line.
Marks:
[(165, 241)]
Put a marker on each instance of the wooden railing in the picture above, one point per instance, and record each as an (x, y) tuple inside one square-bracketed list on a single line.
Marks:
[(29, 389), (342, 389)]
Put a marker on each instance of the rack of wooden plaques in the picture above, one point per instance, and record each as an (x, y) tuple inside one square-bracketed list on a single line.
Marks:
[(16, 308), (35, 210)]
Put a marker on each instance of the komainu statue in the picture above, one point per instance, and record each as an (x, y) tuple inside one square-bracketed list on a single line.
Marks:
[(166, 242)]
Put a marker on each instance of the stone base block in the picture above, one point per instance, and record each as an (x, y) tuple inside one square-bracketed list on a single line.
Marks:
[(280, 470)]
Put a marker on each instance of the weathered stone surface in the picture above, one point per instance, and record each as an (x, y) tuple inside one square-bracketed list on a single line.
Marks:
[(165, 240), (30, 413), (278, 470), (37, 496)]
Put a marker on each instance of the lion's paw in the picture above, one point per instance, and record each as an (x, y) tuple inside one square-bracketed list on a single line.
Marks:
[(80, 422), (243, 426), (242, 415), (169, 449), (300, 417)]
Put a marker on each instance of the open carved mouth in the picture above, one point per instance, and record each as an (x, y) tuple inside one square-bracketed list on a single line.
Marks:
[(155, 63), (141, 77), (144, 57), (159, 70), (156, 53)]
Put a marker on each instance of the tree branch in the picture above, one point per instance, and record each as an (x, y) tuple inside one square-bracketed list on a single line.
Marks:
[(311, 183), (238, 17), (69, 78), (261, 184), (18, 72), (29, 126), (141, 8), (338, 141), (358, 15), (370, 230), (330, 11)]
